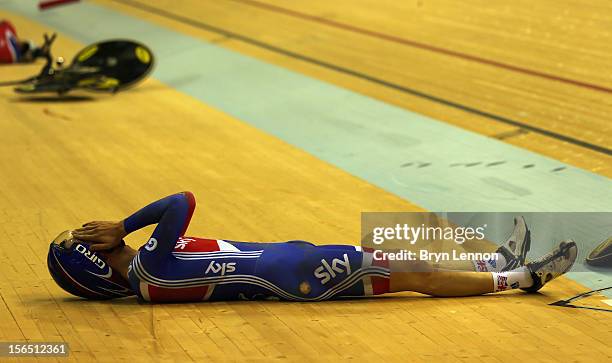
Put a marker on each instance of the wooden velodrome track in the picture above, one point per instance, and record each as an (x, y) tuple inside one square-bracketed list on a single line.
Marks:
[(64, 163)]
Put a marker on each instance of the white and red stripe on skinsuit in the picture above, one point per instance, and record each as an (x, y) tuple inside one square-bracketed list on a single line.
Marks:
[(186, 245)]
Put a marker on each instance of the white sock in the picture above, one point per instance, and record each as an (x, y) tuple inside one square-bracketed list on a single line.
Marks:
[(515, 279), (490, 265)]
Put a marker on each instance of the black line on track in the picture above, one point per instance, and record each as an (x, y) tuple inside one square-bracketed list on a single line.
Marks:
[(568, 302), (351, 72)]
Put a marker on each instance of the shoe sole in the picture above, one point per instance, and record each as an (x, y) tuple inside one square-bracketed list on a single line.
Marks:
[(524, 246)]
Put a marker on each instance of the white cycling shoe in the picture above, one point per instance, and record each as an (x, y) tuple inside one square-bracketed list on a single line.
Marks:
[(552, 265)]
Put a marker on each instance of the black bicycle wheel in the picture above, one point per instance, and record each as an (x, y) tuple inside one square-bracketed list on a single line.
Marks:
[(126, 61)]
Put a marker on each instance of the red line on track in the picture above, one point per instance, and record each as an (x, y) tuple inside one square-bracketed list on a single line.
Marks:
[(44, 5), (424, 46)]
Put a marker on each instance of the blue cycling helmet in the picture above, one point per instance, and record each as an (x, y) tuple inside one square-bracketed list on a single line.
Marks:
[(82, 272)]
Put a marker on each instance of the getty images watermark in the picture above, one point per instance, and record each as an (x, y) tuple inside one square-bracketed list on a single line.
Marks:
[(453, 240), (426, 234)]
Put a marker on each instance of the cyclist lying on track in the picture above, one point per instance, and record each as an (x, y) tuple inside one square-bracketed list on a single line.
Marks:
[(94, 262)]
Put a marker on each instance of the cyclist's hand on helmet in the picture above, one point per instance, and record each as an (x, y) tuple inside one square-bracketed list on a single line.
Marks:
[(103, 235)]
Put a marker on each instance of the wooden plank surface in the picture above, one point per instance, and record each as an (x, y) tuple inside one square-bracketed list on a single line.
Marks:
[(64, 163)]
